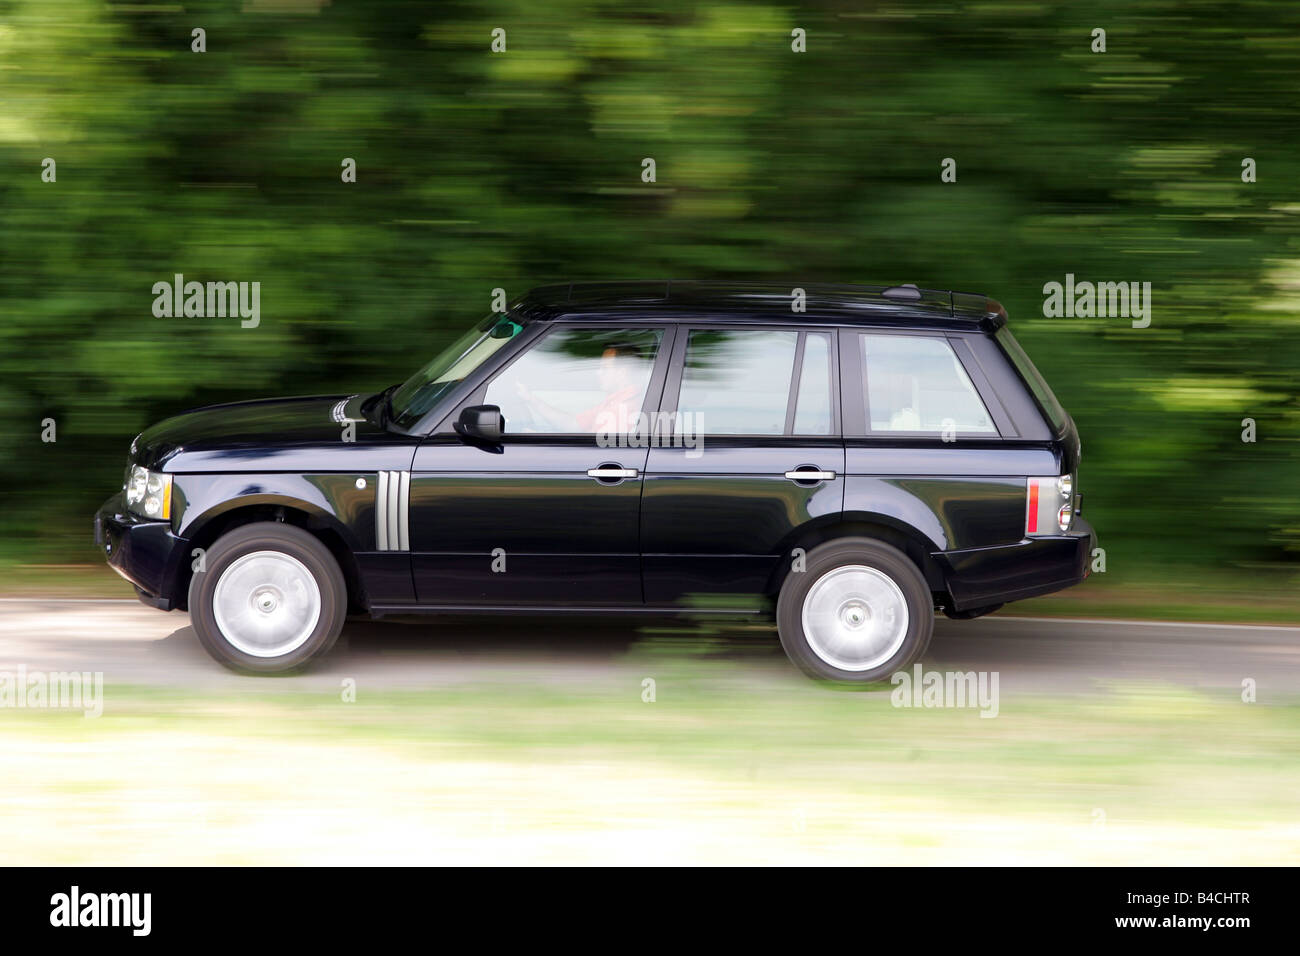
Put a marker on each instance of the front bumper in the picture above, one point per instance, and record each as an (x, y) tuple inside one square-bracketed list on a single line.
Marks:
[(144, 552), (983, 576)]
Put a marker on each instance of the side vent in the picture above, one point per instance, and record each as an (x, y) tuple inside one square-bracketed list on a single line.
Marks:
[(392, 511)]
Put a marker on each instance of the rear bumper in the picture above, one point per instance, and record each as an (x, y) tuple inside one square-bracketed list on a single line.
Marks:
[(983, 576), (144, 552)]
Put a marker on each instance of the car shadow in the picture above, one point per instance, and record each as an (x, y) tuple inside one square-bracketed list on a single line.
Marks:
[(417, 647), (420, 645)]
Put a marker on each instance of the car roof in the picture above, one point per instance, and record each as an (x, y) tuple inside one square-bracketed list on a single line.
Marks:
[(669, 299)]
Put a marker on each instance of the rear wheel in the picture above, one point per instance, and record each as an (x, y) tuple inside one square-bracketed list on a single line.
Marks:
[(270, 599), (858, 612)]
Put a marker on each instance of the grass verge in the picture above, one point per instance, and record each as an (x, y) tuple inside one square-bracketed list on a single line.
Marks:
[(719, 768)]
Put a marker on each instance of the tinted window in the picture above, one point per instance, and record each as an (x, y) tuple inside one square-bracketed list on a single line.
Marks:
[(917, 384), (578, 381), (1046, 400), (813, 409), (737, 382)]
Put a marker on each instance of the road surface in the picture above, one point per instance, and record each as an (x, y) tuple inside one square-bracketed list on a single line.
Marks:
[(134, 644)]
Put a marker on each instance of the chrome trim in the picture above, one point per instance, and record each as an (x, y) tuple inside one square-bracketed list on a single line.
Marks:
[(381, 511), (611, 472), (393, 511), (394, 504), (810, 475), (403, 513)]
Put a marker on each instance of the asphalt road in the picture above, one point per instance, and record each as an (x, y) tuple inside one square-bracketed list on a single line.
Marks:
[(134, 644)]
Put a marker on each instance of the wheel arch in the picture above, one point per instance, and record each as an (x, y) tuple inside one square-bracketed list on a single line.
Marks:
[(205, 530), (906, 538)]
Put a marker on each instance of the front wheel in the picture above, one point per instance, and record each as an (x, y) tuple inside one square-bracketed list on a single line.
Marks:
[(271, 598), (858, 612)]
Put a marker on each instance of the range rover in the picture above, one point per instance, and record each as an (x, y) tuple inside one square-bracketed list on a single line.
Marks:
[(847, 460)]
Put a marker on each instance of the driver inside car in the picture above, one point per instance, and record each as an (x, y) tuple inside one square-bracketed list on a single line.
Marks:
[(615, 413)]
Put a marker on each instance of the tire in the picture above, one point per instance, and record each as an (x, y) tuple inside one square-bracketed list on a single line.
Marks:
[(271, 598), (841, 618)]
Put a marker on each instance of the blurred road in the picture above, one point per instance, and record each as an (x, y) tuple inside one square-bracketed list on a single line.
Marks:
[(1118, 743), (131, 643)]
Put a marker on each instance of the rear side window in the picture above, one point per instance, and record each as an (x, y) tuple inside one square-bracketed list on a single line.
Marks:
[(756, 382), (1036, 383), (916, 384)]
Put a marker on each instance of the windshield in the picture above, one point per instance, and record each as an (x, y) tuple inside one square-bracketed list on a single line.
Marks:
[(422, 391)]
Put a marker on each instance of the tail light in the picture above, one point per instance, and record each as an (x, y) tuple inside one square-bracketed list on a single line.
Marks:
[(1065, 516), (1049, 505)]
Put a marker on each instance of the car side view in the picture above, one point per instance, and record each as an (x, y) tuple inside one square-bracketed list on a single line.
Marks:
[(849, 460)]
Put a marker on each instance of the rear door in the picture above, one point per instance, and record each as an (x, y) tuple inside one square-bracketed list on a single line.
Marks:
[(755, 452), (930, 445)]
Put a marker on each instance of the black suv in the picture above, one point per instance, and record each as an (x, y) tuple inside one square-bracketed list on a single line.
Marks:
[(849, 458)]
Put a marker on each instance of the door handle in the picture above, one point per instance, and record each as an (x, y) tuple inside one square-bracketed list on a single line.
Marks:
[(809, 473), (607, 472)]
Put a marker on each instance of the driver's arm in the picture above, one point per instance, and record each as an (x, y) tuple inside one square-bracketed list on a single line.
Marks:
[(555, 416)]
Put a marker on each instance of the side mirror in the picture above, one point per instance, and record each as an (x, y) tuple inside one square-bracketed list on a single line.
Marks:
[(481, 423)]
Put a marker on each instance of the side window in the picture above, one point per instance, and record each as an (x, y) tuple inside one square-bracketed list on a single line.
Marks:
[(917, 384), (739, 382), (578, 381)]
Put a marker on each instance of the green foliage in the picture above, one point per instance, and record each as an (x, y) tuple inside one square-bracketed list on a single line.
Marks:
[(478, 169)]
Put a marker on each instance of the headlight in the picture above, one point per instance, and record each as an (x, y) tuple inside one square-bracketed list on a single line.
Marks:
[(149, 493)]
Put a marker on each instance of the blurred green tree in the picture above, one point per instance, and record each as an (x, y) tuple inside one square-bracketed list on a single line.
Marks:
[(477, 169)]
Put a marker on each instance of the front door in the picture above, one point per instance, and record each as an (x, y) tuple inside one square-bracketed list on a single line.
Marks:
[(549, 516)]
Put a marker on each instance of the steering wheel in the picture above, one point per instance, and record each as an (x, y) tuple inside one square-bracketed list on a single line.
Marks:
[(524, 416)]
